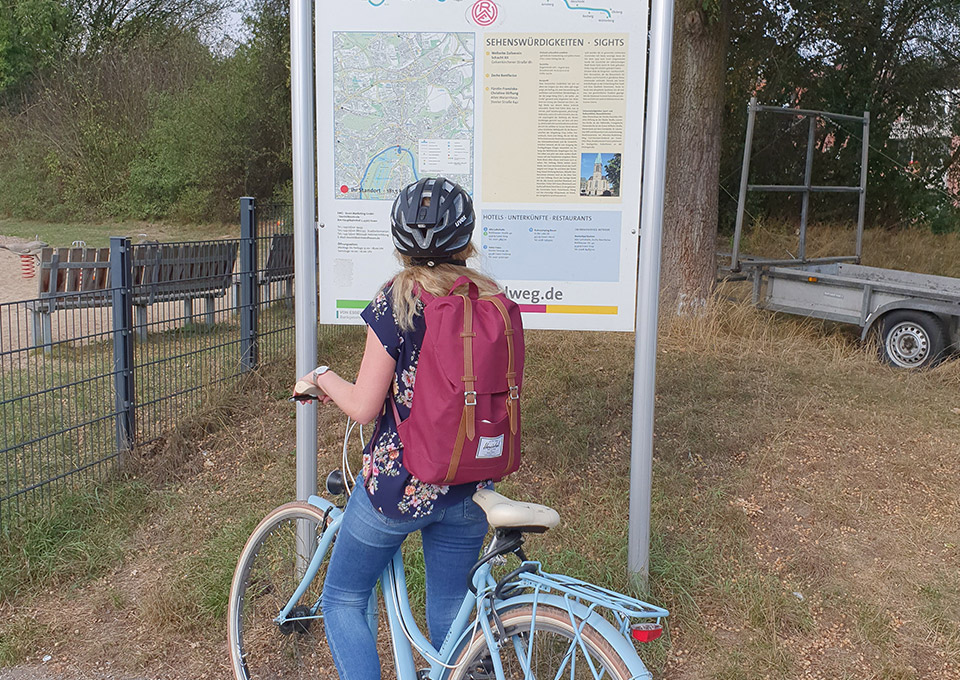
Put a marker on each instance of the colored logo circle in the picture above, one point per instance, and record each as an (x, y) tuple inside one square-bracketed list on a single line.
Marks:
[(344, 188), (484, 12)]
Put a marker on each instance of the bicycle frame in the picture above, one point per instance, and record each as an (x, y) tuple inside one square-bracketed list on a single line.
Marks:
[(579, 599)]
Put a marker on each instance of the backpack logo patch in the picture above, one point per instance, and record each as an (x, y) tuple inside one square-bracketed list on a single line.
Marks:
[(490, 447)]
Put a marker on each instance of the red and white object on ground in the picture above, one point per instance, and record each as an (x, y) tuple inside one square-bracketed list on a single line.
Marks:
[(27, 268)]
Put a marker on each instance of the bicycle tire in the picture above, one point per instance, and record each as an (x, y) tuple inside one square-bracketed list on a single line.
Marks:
[(265, 578), (554, 640)]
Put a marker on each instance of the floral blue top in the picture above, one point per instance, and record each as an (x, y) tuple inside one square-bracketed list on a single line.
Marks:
[(393, 490)]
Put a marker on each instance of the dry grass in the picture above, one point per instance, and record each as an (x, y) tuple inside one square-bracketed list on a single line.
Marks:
[(916, 250), (806, 520), (839, 482)]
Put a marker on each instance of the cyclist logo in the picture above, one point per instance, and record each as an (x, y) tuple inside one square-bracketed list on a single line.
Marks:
[(484, 12)]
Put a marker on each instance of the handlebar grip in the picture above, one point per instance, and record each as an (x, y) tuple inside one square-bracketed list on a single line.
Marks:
[(306, 391)]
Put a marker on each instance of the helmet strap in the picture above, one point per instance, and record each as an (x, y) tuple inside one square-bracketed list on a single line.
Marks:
[(434, 261)]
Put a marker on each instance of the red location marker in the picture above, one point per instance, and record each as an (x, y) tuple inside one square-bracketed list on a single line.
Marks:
[(344, 188)]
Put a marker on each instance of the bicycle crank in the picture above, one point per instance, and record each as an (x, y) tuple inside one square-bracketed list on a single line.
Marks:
[(297, 621)]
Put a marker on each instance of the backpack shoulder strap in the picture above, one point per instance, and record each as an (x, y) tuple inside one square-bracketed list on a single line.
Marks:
[(508, 333), (469, 379)]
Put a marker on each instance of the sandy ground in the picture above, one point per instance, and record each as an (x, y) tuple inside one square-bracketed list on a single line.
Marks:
[(12, 284)]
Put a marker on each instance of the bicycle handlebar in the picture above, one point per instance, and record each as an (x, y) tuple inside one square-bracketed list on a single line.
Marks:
[(306, 391)]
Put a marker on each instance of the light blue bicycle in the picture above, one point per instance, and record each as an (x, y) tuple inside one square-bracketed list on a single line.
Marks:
[(526, 625)]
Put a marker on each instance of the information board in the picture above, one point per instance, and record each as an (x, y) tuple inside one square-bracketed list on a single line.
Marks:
[(534, 106)]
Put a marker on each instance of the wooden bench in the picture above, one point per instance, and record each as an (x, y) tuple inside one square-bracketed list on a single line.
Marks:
[(75, 278), (181, 271), (70, 278), (279, 265), (278, 268)]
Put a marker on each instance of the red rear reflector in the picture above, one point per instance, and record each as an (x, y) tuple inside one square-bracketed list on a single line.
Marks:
[(646, 632)]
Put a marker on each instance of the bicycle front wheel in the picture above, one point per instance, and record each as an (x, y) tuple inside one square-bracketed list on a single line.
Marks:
[(269, 570), (547, 645)]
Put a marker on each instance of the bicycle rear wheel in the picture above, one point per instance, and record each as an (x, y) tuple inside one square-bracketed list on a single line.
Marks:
[(267, 574), (554, 653)]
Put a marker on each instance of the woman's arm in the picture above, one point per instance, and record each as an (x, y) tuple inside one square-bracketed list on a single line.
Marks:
[(361, 401)]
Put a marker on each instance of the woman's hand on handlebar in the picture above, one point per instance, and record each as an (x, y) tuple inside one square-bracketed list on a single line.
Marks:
[(306, 390)]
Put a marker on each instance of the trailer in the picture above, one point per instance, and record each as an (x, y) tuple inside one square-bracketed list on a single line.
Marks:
[(915, 317)]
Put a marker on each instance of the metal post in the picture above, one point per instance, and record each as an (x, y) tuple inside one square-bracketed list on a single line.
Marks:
[(648, 288), (121, 279), (807, 183), (305, 266), (249, 290), (864, 155), (744, 178)]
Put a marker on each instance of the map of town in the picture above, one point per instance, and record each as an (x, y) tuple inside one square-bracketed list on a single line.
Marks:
[(403, 107)]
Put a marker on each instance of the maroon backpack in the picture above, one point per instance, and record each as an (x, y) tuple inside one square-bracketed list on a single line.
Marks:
[(464, 424)]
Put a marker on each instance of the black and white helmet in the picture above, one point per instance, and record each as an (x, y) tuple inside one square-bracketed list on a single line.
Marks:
[(437, 230)]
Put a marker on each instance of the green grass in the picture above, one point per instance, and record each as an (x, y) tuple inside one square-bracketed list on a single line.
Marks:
[(187, 359), (97, 234), (82, 538)]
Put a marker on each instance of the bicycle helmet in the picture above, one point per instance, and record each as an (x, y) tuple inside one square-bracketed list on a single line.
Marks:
[(430, 234)]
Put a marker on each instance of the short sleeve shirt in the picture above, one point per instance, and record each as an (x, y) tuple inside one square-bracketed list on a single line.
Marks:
[(393, 490)]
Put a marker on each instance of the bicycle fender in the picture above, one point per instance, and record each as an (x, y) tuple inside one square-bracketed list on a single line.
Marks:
[(623, 647), (324, 505)]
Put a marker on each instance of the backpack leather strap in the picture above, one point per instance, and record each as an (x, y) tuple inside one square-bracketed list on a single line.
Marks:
[(508, 332), (469, 379), (457, 448), (513, 396), (468, 417)]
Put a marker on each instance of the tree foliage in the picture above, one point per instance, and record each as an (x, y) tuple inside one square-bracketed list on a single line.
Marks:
[(612, 173), (123, 107), (134, 114), (897, 59), (107, 23), (34, 34)]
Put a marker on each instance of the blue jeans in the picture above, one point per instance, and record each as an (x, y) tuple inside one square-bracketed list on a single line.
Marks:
[(367, 540)]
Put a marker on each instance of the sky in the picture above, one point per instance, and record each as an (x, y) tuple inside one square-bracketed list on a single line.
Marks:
[(231, 30), (587, 161)]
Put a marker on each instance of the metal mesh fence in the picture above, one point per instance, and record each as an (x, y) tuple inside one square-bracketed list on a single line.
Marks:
[(115, 355), (275, 280), (57, 408)]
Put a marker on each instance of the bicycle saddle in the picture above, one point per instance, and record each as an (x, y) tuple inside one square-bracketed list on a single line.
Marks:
[(503, 513)]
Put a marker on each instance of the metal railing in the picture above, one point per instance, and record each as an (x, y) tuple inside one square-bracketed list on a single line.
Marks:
[(805, 189), (119, 367)]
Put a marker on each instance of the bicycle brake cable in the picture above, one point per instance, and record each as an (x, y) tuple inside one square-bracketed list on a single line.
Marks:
[(424, 653)]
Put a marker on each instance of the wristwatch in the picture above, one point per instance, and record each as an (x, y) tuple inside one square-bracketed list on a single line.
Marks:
[(319, 370)]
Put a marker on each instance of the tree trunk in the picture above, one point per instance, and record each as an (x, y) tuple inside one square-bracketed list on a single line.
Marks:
[(693, 156)]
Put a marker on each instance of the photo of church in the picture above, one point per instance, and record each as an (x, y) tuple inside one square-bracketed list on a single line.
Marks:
[(599, 174)]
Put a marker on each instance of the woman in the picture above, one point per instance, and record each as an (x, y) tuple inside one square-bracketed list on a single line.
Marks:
[(432, 224)]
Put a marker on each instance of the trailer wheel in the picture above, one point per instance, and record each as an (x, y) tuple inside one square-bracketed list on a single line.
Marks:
[(911, 339)]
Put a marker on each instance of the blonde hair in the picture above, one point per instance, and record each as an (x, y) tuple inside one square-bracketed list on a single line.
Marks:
[(436, 280)]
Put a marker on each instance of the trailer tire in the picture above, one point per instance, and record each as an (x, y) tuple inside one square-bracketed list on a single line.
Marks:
[(912, 339)]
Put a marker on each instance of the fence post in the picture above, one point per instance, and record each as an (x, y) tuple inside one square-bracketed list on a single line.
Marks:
[(249, 290), (121, 276)]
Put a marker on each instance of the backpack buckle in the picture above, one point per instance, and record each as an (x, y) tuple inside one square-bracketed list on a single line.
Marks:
[(515, 392), (467, 396)]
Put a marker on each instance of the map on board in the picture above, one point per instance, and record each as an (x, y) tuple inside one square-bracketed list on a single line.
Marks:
[(403, 108)]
